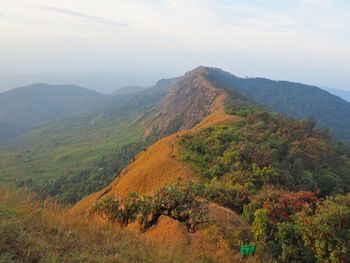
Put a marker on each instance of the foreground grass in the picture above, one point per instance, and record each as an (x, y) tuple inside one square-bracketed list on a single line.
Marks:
[(38, 232), (33, 231)]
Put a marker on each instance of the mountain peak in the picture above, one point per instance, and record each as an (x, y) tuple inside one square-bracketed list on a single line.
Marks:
[(197, 70), (191, 99)]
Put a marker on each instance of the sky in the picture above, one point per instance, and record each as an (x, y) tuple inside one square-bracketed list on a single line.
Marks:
[(299, 40)]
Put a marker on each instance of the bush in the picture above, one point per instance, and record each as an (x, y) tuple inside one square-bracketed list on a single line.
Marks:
[(178, 200), (227, 194), (124, 212)]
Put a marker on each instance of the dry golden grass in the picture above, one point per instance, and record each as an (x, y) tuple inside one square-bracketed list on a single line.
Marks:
[(40, 232), (216, 119), (151, 170)]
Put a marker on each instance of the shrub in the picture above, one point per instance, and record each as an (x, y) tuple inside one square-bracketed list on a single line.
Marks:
[(227, 194), (124, 212), (178, 200)]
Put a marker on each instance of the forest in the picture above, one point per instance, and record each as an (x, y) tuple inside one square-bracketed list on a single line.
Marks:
[(287, 179)]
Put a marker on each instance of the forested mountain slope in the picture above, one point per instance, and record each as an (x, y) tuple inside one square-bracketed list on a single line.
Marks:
[(292, 99)]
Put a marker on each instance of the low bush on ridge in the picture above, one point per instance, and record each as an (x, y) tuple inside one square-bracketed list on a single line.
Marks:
[(178, 200)]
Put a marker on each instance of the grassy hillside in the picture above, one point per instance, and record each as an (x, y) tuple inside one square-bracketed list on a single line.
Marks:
[(74, 157), (292, 99), (32, 231)]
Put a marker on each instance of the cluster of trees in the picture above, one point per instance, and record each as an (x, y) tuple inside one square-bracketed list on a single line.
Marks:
[(299, 227), (285, 177), (266, 148), (178, 200)]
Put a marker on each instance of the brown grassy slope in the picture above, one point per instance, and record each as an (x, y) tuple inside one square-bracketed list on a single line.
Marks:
[(156, 166), (32, 231)]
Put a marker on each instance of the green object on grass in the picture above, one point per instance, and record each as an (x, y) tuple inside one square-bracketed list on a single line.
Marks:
[(247, 250)]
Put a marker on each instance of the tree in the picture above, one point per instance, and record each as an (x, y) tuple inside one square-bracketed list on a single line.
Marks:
[(292, 247), (179, 201), (260, 224), (283, 206)]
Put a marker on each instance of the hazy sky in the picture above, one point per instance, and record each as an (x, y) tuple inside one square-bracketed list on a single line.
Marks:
[(301, 40)]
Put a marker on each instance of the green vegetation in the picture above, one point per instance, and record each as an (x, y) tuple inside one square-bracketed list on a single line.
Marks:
[(71, 158), (276, 173), (80, 161), (72, 187), (298, 227), (327, 231), (270, 149), (178, 200)]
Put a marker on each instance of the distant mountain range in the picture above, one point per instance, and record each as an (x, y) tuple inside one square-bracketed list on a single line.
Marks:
[(26, 107), (22, 109), (104, 82), (129, 89), (344, 94)]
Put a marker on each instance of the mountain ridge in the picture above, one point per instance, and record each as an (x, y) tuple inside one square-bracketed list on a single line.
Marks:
[(191, 99), (235, 159), (165, 148)]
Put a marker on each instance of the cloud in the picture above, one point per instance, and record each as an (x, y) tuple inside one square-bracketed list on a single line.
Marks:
[(91, 18)]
